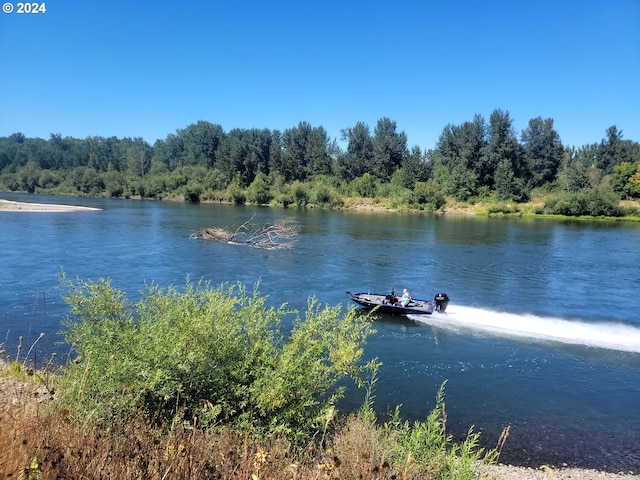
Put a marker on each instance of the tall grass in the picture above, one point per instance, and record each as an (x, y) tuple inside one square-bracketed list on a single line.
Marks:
[(46, 443)]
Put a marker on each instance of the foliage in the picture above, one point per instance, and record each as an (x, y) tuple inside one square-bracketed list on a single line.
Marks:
[(543, 151), (475, 159), (591, 202), (428, 195), (214, 355), (625, 179), (258, 191), (365, 186)]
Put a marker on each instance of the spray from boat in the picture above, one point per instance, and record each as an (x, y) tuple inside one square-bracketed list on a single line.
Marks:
[(600, 334)]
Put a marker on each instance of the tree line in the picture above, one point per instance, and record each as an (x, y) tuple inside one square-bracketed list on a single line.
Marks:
[(302, 165)]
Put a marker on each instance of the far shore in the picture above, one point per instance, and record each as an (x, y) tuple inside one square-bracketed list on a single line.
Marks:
[(11, 206)]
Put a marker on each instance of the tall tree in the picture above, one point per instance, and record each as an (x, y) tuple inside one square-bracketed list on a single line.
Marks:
[(294, 143), (275, 153), (138, 155), (613, 150), (502, 145), (471, 141), (359, 150), (317, 158), (543, 151), (389, 148), (200, 142)]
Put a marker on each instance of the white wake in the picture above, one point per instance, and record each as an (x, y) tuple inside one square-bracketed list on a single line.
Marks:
[(608, 335)]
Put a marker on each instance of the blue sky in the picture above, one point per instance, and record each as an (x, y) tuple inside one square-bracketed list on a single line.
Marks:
[(145, 69)]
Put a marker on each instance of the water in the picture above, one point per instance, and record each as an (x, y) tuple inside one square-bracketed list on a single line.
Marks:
[(542, 333)]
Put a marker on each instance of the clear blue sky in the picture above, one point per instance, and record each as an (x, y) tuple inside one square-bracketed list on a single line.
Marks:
[(145, 69)]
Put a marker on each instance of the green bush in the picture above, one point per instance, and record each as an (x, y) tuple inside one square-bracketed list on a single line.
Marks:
[(591, 202), (365, 186), (218, 355), (429, 195), (300, 193), (258, 191)]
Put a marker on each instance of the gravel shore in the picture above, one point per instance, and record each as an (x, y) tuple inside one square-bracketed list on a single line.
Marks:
[(10, 206), (508, 472)]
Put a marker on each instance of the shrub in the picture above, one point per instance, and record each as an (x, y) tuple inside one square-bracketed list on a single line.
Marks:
[(218, 355), (300, 193), (365, 186), (428, 194), (258, 191), (584, 202)]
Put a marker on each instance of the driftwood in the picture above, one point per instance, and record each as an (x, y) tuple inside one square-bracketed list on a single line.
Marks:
[(280, 234)]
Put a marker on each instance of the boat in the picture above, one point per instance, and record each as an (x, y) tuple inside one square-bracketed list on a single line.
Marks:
[(390, 303)]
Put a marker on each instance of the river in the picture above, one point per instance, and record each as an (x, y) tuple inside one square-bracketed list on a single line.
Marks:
[(542, 333)]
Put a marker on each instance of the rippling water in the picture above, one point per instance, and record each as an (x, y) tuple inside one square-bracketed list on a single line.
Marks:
[(542, 333)]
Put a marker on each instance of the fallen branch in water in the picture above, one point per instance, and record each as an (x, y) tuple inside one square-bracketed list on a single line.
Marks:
[(280, 234)]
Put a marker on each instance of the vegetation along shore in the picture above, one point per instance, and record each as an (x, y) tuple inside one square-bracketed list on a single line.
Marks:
[(478, 162)]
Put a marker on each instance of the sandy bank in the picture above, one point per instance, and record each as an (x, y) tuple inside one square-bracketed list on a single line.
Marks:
[(10, 206)]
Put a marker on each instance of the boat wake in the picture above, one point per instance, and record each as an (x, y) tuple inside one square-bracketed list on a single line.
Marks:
[(606, 335)]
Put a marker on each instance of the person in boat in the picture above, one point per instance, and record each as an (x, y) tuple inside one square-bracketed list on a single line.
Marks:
[(405, 298)]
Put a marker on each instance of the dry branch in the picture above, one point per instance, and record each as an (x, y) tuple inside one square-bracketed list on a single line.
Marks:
[(280, 234)]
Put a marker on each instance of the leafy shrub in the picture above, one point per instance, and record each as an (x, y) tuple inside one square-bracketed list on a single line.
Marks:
[(300, 193), (365, 186), (584, 202), (236, 193), (324, 196), (218, 355), (429, 193), (502, 208), (258, 191)]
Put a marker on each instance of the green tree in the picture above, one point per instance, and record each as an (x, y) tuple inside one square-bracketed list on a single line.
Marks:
[(413, 169), (612, 150), (28, 177), (258, 192), (574, 177), (137, 155), (359, 155), (634, 188), (624, 179), (462, 149), (114, 182), (462, 183), (199, 142), (543, 151), (229, 158), (507, 185), (294, 154), (317, 153), (389, 148), (502, 145)]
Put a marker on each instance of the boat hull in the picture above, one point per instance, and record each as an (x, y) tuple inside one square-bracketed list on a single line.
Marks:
[(382, 304)]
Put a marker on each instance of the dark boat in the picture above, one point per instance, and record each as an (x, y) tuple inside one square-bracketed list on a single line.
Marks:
[(391, 305)]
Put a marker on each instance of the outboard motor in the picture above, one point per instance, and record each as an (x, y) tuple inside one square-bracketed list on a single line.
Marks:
[(441, 300)]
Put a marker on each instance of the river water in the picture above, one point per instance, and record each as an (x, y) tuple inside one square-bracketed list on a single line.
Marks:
[(542, 333)]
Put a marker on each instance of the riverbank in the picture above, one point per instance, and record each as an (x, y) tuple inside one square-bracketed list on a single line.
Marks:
[(11, 206), (23, 396)]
